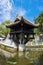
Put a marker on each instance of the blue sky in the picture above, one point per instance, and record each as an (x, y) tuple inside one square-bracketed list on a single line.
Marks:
[(27, 8)]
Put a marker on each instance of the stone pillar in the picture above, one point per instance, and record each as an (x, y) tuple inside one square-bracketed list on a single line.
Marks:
[(21, 40)]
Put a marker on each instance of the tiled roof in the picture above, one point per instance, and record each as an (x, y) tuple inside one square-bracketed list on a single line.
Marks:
[(18, 20)]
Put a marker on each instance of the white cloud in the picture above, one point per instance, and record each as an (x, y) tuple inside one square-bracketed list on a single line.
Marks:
[(21, 11), (7, 7)]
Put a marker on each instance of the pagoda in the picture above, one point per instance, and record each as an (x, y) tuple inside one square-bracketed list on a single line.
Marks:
[(21, 31)]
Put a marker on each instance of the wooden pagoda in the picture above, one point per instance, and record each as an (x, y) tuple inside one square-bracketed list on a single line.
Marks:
[(20, 30)]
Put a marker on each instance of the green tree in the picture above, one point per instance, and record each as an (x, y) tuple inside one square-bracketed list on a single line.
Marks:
[(39, 20), (6, 22), (3, 28)]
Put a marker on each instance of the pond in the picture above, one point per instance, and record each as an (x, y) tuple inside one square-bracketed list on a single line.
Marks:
[(30, 57)]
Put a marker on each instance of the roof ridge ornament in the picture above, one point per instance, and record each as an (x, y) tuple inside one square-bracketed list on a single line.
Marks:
[(19, 17)]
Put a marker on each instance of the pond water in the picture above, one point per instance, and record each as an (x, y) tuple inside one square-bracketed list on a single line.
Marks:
[(21, 58)]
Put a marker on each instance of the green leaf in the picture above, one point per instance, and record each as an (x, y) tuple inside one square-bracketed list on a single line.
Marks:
[(10, 62)]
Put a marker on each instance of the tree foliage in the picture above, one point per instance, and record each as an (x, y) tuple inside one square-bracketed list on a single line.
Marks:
[(3, 29), (39, 20)]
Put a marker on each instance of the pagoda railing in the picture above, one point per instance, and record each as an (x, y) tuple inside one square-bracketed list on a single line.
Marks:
[(29, 32)]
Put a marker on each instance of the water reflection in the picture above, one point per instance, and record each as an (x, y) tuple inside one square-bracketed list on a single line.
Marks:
[(21, 58)]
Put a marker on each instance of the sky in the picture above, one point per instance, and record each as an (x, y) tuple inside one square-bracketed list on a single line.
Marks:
[(29, 9)]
